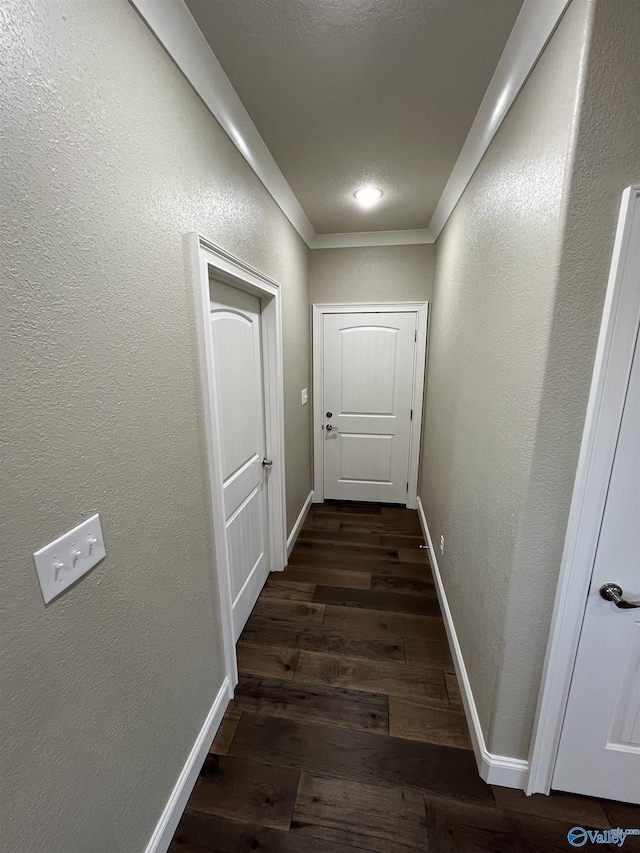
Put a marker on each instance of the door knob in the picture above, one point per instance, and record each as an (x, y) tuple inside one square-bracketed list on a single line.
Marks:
[(612, 592), (329, 428), (267, 463)]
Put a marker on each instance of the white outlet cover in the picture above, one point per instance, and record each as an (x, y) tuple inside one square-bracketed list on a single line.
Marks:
[(305, 396), (63, 561)]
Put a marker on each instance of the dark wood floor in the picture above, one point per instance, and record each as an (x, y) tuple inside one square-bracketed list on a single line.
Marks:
[(346, 731)]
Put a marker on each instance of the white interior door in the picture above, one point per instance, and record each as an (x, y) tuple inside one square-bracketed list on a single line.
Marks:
[(599, 750), (368, 376), (239, 411)]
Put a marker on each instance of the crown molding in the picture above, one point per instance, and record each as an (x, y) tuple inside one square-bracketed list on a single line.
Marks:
[(176, 30), (174, 27), (372, 238), (531, 32)]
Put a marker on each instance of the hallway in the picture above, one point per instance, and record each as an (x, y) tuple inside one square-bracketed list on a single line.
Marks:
[(346, 731)]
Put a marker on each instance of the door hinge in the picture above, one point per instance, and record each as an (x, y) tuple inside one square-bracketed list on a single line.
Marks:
[(411, 416), (415, 336), (407, 486)]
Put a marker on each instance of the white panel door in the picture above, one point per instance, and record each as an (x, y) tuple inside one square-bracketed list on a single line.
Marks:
[(367, 395), (239, 398), (599, 750)]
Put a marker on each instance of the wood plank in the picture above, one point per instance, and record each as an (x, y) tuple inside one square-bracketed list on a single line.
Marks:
[(226, 731), (405, 570), (401, 541), (378, 623), (402, 585), (372, 600), (382, 527), (540, 835), (584, 811), (331, 706), (237, 788), (414, 719), (328, 576), (339, 537), (313, 523), (360, 814), (331, 553), (428, 652), (455, 827), (388, 677), (198, 832), (290, 590), (413, 555), (290, 611), (343, 642), (348, 507), (260, 660), (332, 751), (453, 690)]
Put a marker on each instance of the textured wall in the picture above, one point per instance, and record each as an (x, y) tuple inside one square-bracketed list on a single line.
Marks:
[(372, 274), (109, 159), (496, 276), (605, 161)]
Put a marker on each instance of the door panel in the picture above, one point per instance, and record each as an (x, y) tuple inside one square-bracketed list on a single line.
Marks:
[(599, 750), (368, 388), (237, 363)]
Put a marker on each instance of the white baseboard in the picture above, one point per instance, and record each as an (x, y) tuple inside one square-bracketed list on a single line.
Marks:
[(170, 817), (297, 527), (494, 769)]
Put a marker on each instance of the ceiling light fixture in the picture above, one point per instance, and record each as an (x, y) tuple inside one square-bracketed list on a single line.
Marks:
[(368, 196)]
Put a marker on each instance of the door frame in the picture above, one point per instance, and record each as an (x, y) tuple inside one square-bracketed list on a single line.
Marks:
[(208, 258), (319, 310), (614, 355)]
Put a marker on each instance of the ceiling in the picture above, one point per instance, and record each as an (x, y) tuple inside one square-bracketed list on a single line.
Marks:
[(353, 92)]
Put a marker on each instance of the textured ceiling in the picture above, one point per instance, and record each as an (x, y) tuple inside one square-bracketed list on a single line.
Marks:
[(351, 92)]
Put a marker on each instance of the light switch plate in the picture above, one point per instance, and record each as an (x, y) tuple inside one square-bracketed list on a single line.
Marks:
[(305, 396), (63, 561)]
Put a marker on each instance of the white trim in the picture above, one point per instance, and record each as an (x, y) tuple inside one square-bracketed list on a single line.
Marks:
[(319, 310), (205, 256), (614, 356), (494, 769), (297, 527), (172, 812), (531, 32), (175, 28), (356, 239)]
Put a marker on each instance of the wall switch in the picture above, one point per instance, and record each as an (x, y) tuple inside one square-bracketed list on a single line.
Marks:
[(305, 396), (442, 545), (63, 561)]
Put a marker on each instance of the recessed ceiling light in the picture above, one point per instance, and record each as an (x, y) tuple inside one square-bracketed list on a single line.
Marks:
[(368, 196)]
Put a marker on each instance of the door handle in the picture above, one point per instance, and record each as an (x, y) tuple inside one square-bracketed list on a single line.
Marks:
[(267, 463), (612, 592), (329, 428)]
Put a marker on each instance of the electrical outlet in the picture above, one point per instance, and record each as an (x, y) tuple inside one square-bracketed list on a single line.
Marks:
[(442, 545)]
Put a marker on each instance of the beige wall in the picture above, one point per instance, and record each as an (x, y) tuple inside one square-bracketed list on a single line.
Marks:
[(110, 159), (520, 276), (372, 274)]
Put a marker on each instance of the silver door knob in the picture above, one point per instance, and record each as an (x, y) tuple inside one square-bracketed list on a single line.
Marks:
[(612, 592), (267, 463)]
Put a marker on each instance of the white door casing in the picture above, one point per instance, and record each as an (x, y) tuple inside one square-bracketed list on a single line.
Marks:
[(599, 752), (210, 261), (369, 373), (236, 341), (583, 542)]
